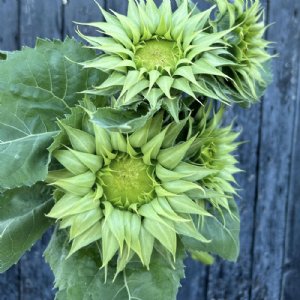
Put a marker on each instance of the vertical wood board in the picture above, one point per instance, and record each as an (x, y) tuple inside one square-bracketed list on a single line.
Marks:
[(41, 19), (278, 116), (9, 33), (81, 11)]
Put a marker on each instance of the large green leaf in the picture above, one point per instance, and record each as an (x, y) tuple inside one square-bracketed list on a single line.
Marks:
[(23, 150), (80, 277), (37, 86), (22, 221), (223, 231)]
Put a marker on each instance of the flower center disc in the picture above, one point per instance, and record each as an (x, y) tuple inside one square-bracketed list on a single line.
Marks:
[(157, 54), (127, 181)]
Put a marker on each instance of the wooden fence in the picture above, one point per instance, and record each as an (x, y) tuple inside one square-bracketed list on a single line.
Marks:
[(269, 263)]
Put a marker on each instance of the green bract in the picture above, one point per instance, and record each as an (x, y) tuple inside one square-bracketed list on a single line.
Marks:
[(130, 191), (250, 74)]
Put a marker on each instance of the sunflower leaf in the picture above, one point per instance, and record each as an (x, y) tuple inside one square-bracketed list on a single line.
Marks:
[(223, 231), (22, 221), (80, 277), (37, 86)]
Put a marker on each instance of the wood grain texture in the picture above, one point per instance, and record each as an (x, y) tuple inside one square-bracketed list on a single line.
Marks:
[(194, 285), (9, 33), (291, 264), (278, 121), (83, 11), (36, 278), (40, 19), (116, 5)]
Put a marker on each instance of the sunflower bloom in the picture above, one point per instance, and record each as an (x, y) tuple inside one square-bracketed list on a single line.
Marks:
[(156, 54), (132, 192)]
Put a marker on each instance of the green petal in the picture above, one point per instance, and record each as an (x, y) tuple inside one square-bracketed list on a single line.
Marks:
[(91, 235), (183, 204), (118, 141), (151, 149), (171, 157), (135, 90), (77, 185), (80, 140), (140, 136), (70, 161), (156, 125), (57, 175), (70, 205), (189, 229), (115, 222), (173, 107), (166, 175), (148, 212), (163, 208), (173, 132), (193, 172), (123, 260), (147, 242), (181, 186), (132, 78), (83, 221), (91, 161), (165, 83), (110, 244), (187, 73), (163, 233)]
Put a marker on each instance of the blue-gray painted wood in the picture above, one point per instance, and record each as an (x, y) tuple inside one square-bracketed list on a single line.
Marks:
[(39, 19), (269, 265), (81, 11), (291, 265), (9, 33), (277, 127)]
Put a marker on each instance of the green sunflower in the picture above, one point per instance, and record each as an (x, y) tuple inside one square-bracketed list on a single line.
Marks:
[(154, 53), (133, 192), (247, 46)]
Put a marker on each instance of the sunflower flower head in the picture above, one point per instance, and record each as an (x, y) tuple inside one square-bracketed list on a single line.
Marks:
[(135, 192), (156, 54), (247, 46)]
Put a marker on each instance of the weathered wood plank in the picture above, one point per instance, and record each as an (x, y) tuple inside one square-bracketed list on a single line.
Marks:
[(81, 11), (9, 23), (9, 284), (9, 281), (278, 116), (194, 286), (40, 19), (116, 5), (36, 278), (291, 267)]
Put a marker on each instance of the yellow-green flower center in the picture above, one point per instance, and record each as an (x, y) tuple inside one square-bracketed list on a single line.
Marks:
[(126, 181), (157, 54)]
